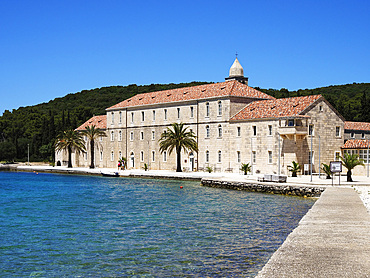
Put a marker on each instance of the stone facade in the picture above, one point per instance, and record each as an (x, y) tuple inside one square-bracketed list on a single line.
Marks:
[(233, 124)]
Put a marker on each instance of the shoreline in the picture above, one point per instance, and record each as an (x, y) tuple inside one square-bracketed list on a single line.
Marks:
[(299, 186)]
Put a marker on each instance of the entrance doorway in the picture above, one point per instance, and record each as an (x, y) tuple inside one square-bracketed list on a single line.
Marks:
[(191, 162)]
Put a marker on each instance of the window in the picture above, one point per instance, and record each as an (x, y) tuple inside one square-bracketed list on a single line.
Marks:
[(363, 135), (112, 117), (153, 156), (142, 135), (153, 115), (219, 108), (207, 131), (238, 156), (164, 156), (352, 135), (120, 117), (207, 109), (310, 130), (270, 157), (119, 155), (120, 135), (219, 131), (309, 157), (153, 135), (238, 131), (191, 112), (207, 156), (101, 156), (270, 130), (101, 138), (337, 131), (254, 128), (254, 157), (132, 117), (112, 156), (219, 156), (112, 135), (320, 108), (290, 122), (337, 155), (142, 116), (178, 113), (131, 136), (142, 156), (85, 155), (165, 114)]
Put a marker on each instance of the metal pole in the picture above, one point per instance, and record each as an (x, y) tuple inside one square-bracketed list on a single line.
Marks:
[(367, 159), (28, 155), (279, 155), (311, 153), (319, 156), (252, 156)]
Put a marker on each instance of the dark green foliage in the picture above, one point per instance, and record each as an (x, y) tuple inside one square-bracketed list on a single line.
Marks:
[(294, 168), (38, 125), (7, 151), (326, 169)]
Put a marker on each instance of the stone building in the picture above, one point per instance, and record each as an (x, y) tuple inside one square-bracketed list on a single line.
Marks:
[(233, 123)]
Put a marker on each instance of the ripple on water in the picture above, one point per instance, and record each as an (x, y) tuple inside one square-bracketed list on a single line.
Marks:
[(81, 226)]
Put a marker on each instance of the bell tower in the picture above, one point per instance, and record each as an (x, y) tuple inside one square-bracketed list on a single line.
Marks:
[(237, 73)]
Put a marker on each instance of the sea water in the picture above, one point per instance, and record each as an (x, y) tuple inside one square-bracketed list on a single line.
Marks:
[(82, 226)]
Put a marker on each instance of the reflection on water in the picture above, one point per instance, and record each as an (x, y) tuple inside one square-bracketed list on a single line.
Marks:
[(82, 226)]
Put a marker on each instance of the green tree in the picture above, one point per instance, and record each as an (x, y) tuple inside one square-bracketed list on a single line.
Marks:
[(350, 161), (294, 168), (326, 169), (7, 151), (245, 167), (92, 133), (177, 138), (71, 140)]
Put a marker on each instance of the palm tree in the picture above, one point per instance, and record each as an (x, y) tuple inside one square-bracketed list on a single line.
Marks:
[(295, 168), (93, 133), (245, 167), (177, 138), (350, 161), (70, 140), (326, 169)]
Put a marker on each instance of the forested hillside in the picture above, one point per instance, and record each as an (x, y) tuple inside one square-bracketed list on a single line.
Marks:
[(38, 126)]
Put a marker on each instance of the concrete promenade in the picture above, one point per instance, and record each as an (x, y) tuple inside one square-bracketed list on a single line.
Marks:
[(332, 240)]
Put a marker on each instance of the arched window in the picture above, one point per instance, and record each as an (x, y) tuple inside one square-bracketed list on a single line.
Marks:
[(219, 156), (142, 156), (207, 131), (207, 109), (112, 156), (219, 108), (207, 156), (112, 135), (120, 117), (219, 131), (120, 135)]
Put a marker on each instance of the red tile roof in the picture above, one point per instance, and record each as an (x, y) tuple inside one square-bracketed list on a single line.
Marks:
[(355, 144), (276, 108), (227, 88), (98, 121), (357, 126)]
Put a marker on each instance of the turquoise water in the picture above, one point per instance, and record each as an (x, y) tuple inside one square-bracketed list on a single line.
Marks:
[(83, 226)]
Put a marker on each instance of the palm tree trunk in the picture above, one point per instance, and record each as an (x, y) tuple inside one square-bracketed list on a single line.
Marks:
[(178, 156), (69, 157), (92, 166), (349, 176)]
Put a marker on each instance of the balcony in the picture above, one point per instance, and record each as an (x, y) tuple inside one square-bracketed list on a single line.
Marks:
[(293, 132)]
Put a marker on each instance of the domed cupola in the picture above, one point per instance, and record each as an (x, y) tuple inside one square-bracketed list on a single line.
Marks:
[(237, 73)]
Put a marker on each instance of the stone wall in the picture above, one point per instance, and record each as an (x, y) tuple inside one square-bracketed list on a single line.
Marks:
[(273, 188)]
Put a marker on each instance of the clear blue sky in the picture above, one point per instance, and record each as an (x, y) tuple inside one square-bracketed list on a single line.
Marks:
[(51, 48)]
